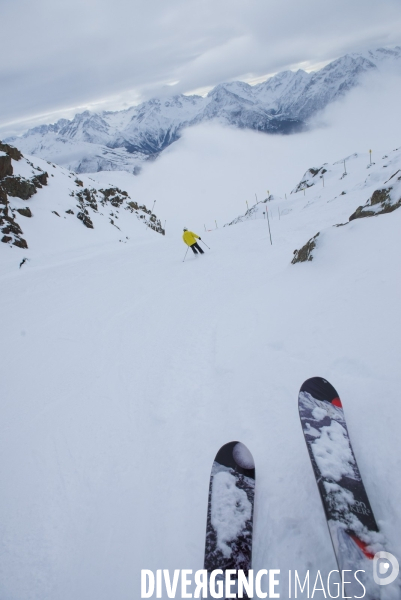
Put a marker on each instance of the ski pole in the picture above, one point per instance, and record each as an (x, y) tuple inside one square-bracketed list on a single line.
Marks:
[(204, 243), (185, 254)]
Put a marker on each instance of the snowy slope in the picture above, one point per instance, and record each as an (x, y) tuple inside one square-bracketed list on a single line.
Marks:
[(123, 140), (125, 369), (47, 209), (335, 192)]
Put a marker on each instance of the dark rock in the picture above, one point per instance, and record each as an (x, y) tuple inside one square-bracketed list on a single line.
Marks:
[(113, 195), (79, 182), (360, 213), (69, 211), (388, 208), (314, 172), (88, 198), (3, 196), (19, 186), (116, 201), (55, 213), (25, 212), (305, 253), (85, 220), (20, 242), (6, 167), (379, 196), (11, 151), (40, 179), (6, 239), (11, 226)]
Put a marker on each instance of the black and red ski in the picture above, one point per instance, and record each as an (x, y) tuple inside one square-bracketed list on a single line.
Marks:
[(352, 525)]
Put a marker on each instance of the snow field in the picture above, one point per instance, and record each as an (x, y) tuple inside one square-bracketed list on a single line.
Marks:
[(126, 370)]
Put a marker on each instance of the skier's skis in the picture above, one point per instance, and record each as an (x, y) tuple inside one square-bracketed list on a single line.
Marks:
[(352, 525), (230, 511)]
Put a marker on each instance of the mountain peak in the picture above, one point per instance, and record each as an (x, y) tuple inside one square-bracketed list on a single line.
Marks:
[(123, 139)]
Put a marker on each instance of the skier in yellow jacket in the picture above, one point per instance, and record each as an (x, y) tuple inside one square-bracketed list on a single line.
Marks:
[(190, 239)]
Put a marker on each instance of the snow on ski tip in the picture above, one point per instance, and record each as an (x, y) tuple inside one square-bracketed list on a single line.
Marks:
[(352, 525), (230, 509)]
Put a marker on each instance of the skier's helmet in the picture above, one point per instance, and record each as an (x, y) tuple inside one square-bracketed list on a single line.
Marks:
[(185, 229)]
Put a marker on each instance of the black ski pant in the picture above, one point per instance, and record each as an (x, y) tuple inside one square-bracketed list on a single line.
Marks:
[(196, 248)]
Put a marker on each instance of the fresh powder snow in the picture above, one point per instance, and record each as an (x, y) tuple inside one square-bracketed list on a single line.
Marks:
[(231, 509), (125, 369)]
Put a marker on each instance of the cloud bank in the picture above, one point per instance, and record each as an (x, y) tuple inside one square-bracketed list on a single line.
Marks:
[(212, 171)]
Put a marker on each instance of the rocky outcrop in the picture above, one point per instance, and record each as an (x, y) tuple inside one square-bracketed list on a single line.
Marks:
[(25, 212), (84, 217), (305, 253), (23, 188), (9, 227), (309, 179), (19, 187), (86, 199), (12, 152), (3, 196), (115, 196), (6, 167), (40, 180), (381, 202)]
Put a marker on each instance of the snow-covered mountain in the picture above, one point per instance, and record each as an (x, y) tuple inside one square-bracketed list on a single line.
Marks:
[(123, 140), (47, 208)]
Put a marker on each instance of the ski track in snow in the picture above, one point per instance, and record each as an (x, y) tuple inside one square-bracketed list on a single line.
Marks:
[(124, 370)]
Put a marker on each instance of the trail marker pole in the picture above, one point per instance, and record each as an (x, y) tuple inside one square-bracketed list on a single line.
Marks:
[(345, 168), (204, 226), (247, 206), (268, 222), (216, 224), (185, 254), (370, 157), (323, 179), (256, 198)]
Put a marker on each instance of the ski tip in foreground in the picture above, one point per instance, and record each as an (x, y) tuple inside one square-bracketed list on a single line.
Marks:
[(236, 455), (321, 389)]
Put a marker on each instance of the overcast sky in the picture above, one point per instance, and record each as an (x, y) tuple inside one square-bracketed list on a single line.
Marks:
[(62, 57)]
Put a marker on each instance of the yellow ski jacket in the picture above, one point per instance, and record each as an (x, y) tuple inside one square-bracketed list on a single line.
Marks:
[(189, 238)]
